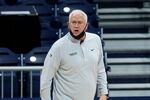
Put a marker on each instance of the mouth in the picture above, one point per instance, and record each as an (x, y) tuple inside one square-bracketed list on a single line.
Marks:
[(76, 30)]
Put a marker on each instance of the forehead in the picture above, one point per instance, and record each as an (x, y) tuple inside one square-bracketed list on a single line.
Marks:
[(77, 16)]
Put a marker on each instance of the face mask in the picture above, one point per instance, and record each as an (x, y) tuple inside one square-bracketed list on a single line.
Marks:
[(79, 36)]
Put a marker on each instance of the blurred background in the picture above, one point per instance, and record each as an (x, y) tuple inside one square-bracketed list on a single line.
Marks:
[(28, 28)]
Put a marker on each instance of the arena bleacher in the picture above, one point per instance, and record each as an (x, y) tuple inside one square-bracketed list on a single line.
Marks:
[(126, 34), (28, 28)]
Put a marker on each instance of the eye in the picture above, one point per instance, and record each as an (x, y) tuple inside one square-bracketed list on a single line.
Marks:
[(74, 22), (79, 22)]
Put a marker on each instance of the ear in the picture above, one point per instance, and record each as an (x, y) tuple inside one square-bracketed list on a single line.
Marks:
[(86, 26), (68, 25)]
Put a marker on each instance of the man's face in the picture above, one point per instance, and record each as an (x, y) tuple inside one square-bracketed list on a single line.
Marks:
[(77, 24)]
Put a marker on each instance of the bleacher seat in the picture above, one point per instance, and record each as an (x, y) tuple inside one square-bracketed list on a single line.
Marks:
[(33, 2), (64, 20), (50, 30), (52, 2), (7, 57), (120, 3), (64, 31), (49, 36), (46, 10), (39, 53), (128, 54), (1, 3), (11, 2), (44, 19), (55, 22), (94, 25), (86, 7), (52, 21)]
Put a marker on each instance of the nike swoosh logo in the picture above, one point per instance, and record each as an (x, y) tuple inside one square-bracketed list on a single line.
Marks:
[(92, 49), (72, 54)]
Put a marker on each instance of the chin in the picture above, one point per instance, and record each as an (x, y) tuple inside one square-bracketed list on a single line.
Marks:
[(75, 34)]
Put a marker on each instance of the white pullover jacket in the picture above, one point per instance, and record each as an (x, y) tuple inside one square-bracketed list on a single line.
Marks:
[(76, 69)]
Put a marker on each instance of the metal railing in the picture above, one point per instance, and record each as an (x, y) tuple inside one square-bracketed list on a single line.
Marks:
[(113, 87), (13, 69)]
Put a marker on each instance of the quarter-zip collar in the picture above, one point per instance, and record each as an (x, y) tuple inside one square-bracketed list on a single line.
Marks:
[(73, 39)]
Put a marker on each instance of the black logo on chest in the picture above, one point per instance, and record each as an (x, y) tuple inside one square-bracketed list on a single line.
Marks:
[(73, 53)]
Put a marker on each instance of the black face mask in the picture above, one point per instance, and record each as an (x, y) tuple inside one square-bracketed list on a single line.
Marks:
[(78, 37)]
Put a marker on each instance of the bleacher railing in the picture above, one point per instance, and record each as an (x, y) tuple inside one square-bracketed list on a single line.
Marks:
[(30, 69), (21, 69)]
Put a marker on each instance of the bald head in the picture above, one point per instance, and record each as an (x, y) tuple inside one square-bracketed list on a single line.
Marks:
[(78, 12)]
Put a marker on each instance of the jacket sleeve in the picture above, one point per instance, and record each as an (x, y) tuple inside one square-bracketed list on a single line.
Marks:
[(51, 65), (102, 84)]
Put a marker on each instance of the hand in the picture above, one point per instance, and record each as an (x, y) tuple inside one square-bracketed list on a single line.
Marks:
[(103, 97)]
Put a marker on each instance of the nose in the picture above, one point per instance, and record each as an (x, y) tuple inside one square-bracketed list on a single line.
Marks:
[(76, 24)]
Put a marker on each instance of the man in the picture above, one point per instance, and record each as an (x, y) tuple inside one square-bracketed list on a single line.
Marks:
[(75, 63)]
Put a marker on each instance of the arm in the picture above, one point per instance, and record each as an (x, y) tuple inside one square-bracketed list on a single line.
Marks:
[(102, 83), (102, 89), (51, 65)]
